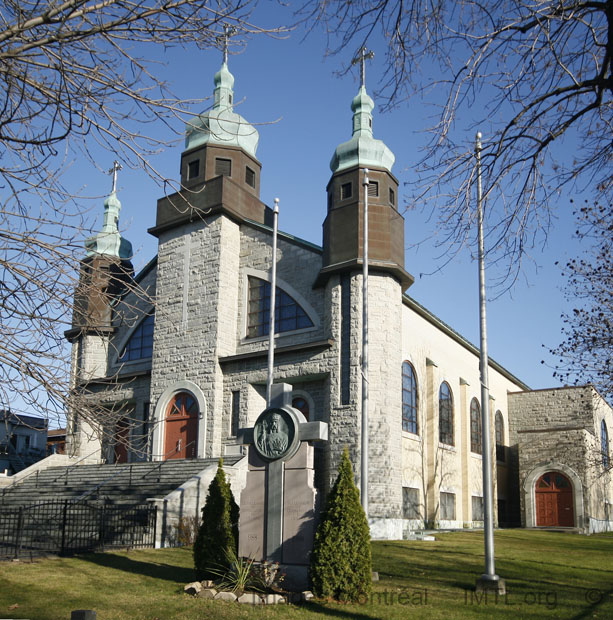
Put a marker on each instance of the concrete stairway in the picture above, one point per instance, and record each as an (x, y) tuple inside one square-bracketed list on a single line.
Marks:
[(116, 484)]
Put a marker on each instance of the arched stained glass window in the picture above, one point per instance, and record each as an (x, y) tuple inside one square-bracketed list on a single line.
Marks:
[(289, 315), (604, 443), (445, 415), (475, 426), (499, 428), (183, 405), (140, 344), (409, 399)]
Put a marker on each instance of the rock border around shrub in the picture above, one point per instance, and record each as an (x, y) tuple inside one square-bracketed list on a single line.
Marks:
[(205, 589)]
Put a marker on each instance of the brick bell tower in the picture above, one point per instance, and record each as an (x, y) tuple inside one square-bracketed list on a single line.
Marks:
[(341, 274)]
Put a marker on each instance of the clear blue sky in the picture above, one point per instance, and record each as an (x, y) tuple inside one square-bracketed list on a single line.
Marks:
[(303, 109)]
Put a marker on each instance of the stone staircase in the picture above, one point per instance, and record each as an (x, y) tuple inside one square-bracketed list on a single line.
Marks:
[(120, 484)]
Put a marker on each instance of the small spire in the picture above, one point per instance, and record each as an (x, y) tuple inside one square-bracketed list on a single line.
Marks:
[(228, 33), (361, 58), (114, 170), (109, 240)]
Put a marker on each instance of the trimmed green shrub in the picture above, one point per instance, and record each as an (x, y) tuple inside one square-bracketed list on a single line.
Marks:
[(216, 542), (341, 563)]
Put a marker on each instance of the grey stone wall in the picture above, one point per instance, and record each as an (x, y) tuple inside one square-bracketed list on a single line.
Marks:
[(558, 430)]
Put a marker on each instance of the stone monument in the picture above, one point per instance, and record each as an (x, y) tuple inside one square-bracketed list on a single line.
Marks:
[(278, 504)]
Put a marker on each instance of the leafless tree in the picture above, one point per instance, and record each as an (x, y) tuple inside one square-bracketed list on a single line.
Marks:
[(535, 76), (76, 81), (586, 355)]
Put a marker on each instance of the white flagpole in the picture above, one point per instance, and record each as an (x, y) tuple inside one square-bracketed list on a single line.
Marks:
[(364, 462), (271, 316), (489, 580)]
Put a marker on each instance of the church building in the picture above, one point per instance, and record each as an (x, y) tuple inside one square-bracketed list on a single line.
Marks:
[(169, 363)]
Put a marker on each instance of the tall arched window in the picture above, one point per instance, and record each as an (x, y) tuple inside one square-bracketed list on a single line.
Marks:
[(475, 426), (604, 443), (289, 315), (409, 399), (499, 425), (445, 415), (140, 344)]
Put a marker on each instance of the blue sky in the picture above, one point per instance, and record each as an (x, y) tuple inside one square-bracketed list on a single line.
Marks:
[(302, 109)]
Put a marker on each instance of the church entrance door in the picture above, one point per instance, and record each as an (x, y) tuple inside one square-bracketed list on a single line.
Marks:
[(122, 437), (181, 441), (554, 501)]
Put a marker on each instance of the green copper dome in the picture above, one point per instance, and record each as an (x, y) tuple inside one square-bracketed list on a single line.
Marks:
[(109, 241), (362, 150), (221, 125)]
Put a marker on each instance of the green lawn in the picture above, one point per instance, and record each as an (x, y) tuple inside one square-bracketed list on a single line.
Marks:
[(548, 574)]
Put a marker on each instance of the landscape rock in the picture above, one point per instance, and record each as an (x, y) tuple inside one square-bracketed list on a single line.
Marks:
[(207, 593), (307, 595), (250, 598), (207, 583), (192, 588), (274, 599), (225, 596)]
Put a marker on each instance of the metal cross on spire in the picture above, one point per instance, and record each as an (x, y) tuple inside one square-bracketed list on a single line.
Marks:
[(116, 167), (361, 58), (228, 32)]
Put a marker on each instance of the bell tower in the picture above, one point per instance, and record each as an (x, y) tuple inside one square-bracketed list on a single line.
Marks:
[(219, 170), (342, 229), (105, 274), (341, 275)]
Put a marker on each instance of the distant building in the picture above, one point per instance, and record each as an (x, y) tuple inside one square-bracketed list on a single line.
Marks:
[(23, 441), (56, 441)]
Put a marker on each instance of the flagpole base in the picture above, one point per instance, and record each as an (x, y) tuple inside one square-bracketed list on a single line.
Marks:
[(491, 583)]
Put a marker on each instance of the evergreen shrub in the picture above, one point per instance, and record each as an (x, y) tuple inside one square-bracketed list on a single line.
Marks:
[(216, 542), (341, 562)]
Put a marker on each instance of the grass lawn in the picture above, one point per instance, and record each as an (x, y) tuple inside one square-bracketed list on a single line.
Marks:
[(548, 574)]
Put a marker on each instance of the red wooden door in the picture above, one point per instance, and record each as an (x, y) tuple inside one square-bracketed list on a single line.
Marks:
[(182, 427), (554, 501), (122, 437)]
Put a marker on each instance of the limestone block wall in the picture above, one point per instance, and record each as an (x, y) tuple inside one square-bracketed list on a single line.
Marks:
[(195, 313), (385, 446)]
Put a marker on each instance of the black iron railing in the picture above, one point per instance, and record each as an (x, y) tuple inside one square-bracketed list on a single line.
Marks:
[(66, 527)]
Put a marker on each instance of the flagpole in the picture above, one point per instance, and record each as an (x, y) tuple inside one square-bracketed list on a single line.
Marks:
[(489, 580), (364, 461), (271, 316)]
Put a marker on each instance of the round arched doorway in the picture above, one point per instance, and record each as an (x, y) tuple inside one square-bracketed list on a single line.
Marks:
[(554, 501), (181, 427)]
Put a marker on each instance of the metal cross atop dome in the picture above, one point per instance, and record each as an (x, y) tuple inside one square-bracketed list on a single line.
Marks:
[(116, 167), (361, 58), (228, 31)]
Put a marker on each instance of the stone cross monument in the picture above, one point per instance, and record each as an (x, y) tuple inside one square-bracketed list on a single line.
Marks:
[(277, 517)]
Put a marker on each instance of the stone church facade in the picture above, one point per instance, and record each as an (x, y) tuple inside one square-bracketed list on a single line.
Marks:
[(175, 358)]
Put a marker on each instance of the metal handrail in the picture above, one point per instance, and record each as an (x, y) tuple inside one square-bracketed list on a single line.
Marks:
[(101, 484), (37, 471), (164, 459)]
